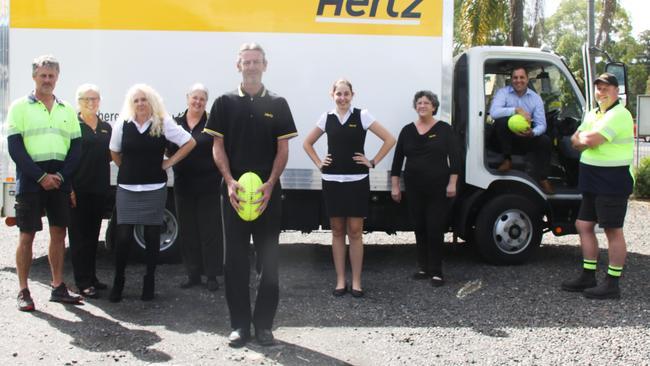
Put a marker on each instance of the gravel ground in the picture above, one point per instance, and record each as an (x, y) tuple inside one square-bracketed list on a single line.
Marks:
[(485, 315)]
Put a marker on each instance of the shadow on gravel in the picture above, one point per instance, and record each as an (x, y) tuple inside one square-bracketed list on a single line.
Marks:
[(105, 335), (487, 299)]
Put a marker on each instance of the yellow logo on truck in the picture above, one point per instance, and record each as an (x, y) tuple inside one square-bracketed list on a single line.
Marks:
[(380, 17)]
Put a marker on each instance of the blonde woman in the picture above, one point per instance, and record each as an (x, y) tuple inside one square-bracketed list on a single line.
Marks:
[(90, 187), (346, 185), (138, 146)]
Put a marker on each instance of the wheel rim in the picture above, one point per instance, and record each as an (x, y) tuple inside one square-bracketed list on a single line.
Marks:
[(168, 232), (512, 231)]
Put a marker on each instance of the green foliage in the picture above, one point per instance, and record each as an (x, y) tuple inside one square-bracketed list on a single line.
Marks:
[(481, 22), (642, 187)]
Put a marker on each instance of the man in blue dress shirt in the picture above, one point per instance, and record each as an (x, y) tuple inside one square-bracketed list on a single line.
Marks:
[(519, 99)]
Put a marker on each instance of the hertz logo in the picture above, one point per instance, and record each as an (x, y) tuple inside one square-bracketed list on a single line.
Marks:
[(370, 12)]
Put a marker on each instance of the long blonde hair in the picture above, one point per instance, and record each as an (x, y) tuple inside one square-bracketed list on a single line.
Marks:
[(158, 111)]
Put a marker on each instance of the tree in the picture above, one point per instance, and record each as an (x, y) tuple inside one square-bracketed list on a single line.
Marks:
[(566, 31), (516, 37), (497, 22), (481, 21)]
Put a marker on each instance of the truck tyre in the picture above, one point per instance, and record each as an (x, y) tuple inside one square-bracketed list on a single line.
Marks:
[(169, 251), (169, 248), (508, 229)]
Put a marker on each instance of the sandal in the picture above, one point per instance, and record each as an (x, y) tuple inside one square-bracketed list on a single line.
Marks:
[(90, 292)]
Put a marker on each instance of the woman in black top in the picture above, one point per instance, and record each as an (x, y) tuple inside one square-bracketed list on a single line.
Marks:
[(137, 146), (430, 175), (346, 187), (197, 198), (90, 187)]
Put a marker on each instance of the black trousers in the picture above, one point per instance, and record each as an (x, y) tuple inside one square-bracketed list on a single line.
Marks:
[(83, 232), (429, 207), (124, 241), (265, 231), (200, 233), (538, 146)]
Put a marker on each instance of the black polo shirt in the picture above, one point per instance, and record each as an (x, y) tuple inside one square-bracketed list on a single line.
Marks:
[(93, 172), (251, 126), (197, 173)]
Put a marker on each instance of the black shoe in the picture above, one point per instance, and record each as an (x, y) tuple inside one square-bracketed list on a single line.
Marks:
[(586, 280), (437, 281), (420, 275), (264, 337), (608, 289), (338, 292), (25, 302), (148, 288), (116, 291), (238, 338), (190, 282), (357, 293), (99, 285), (212, 284), (62, 295), (89, 292)]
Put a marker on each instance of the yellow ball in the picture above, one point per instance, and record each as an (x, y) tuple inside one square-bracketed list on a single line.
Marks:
[(518, 123), (251, 182)]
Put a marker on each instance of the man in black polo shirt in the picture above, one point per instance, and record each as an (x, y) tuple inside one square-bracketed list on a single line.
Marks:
[(251, 128)]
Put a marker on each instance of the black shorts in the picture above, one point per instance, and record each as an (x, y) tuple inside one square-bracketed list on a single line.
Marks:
[(607, 211), (346, 199), (31, 206)]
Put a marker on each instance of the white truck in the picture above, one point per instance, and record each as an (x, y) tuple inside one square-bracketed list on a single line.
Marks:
[(389, 49)]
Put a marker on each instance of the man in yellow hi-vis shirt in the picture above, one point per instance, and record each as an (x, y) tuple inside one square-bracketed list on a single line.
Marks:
[(44, 141), (606, 139)]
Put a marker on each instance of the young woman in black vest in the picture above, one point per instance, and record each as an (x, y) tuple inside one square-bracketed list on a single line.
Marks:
[(346, 185), (430, 175), (138, 146)]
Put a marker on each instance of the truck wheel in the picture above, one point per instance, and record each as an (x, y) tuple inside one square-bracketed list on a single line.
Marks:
[(169, 251), (508, 229)]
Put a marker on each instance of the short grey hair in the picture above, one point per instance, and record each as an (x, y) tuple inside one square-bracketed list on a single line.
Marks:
[(433, 98), (48, 61), (252, 46), (197, 87), (83, 88)]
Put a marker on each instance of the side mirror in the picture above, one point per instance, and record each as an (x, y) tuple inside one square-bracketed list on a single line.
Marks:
[(620, 71)]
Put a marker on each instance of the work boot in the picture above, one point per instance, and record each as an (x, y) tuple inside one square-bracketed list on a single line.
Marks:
[(546, 186), (587, 279), (505, 166), (148, 287), (608, 289), (116, 290)]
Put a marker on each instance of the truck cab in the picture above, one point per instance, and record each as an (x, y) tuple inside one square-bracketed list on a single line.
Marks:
[(505, 214)]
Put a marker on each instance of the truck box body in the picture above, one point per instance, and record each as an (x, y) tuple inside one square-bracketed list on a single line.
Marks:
[(388, 49)]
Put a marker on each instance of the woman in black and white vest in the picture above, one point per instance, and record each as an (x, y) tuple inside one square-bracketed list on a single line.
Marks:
[(138, 146), (346, 185)]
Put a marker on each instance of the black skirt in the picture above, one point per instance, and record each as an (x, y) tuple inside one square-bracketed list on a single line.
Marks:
[(346, 199)]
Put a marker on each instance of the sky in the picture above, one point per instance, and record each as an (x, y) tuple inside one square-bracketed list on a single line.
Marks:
[(636, 9)]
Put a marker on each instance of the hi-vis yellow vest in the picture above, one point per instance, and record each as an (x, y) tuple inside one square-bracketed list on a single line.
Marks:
[(617, 126)]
